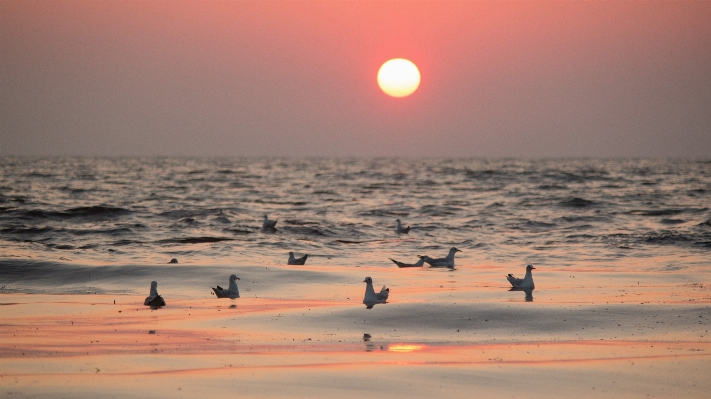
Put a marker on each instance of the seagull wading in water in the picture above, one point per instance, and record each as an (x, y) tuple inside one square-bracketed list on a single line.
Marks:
[(154, 300), (268, 224), (525, 282), (371, 298), (401, 230), (447, 261), (232, 292), (296, 261)]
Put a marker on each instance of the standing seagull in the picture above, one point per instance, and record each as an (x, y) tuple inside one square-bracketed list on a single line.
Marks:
[(447, 261), (296, 261), (401, 230), (231, 292), (371, 298), (525, 282), (154, 300), (268, 224)]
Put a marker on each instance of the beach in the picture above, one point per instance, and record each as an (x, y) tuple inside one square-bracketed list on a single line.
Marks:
[(453, 333)]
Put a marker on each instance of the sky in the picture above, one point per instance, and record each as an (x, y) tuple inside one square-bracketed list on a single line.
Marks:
[(298, 78)]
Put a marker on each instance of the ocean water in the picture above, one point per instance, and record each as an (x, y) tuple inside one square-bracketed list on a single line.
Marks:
[(60, 212)]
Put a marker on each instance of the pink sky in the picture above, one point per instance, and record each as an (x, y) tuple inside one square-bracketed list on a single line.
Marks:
[(241, 78)]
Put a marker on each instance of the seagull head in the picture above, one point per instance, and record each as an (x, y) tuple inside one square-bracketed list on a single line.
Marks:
[(454, 249), (233, 278), (368, 280), (291, 253), (529, 267), (154, 284)]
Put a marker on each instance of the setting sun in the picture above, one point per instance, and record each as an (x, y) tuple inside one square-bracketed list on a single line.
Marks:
[(398, 77)]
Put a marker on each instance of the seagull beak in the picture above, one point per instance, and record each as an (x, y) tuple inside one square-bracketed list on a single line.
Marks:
[(238, 278)]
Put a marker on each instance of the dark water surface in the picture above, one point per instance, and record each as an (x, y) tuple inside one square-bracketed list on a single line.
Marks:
[(203, 211)]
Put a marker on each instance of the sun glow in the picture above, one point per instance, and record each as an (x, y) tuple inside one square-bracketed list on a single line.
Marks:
[(398, 77)]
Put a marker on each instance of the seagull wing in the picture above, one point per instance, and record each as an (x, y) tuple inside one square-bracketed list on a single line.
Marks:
[(383, 294), (148, 300), (513, 280)]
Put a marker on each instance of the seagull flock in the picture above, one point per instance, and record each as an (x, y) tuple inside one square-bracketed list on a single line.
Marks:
[(371, 298)]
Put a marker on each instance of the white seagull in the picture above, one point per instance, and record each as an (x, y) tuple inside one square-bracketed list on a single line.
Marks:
[(268, 224), (371, 298), (447, 261), (154, 300), (419, 263), (526, 282), (296, 261), (401, 230), (231, 292)]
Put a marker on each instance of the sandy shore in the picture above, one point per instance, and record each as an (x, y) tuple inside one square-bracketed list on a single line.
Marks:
[(298, 332)]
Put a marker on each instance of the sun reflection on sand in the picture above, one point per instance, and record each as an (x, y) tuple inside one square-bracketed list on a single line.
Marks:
[(405, 348)]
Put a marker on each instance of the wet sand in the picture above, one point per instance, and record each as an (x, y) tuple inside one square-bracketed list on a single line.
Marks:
[(298, 331)]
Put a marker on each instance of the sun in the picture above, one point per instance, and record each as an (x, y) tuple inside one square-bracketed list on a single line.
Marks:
[(398, 77)]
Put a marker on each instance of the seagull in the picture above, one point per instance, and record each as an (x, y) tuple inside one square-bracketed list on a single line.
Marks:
[(154, 300), (173, 261), (447, 261), (401, 230), (296, 261), (371, 298), (268, 224), (232, 292), (419, 263), (526, 282)]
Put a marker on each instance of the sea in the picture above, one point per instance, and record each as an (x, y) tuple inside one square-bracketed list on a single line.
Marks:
[(63, 216)]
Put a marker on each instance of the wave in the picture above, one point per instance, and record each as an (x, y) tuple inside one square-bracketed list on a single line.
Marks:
[(532, 225), (195, 240), (667, 238), (98, 210), (95, 212), (306, 230), (577, 202), (25, 230), (552, 187), (112, 232), (672, 221), (666, 212)]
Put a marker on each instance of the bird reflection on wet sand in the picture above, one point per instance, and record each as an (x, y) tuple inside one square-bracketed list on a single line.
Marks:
[(528, 291)]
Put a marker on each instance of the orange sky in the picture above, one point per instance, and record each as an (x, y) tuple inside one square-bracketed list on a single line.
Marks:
[(231, 78)]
